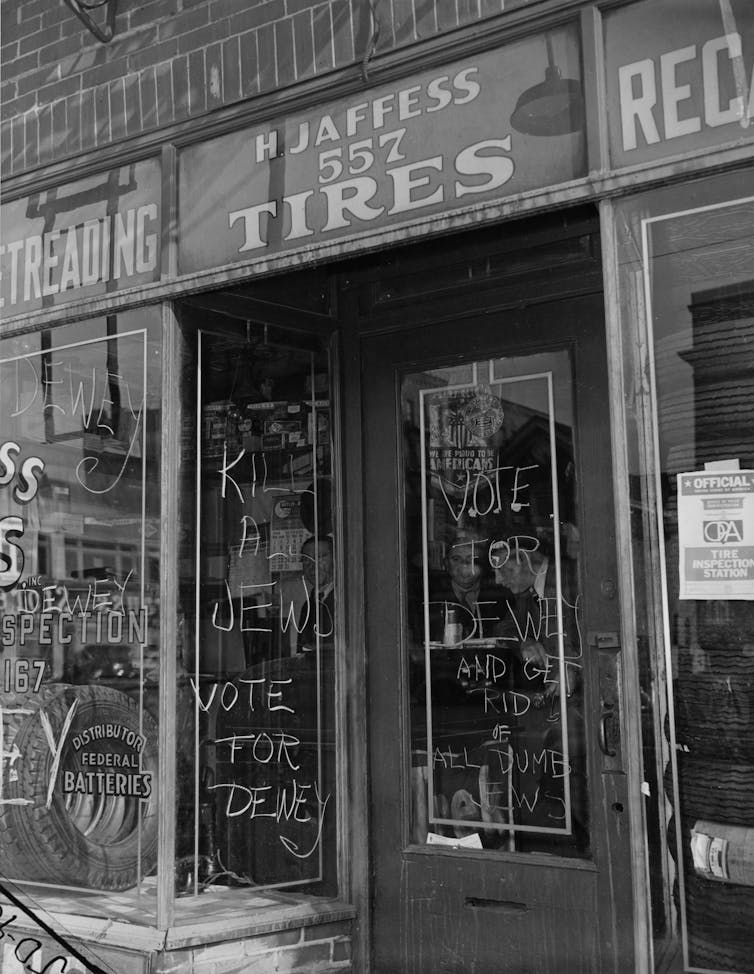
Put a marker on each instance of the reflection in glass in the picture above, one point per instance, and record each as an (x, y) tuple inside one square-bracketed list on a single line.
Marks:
[(256, 753), (496, 725), (79, 605), (690, 272)]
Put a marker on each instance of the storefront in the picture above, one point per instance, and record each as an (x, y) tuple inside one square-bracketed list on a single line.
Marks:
[(377, 525)]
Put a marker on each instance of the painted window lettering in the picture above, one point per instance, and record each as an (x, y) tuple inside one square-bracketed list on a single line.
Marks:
[(21, 675), (683, 91), (66, 741), (12, 558), (27, 474), (81, 255)]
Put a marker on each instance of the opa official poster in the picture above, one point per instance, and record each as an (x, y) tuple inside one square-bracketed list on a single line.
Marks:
[(716, 534)]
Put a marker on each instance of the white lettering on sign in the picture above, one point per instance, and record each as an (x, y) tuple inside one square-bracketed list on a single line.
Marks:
[(658, 102), (361, 173), (110, 248), (367, 117), (479, 168), (438, 145)]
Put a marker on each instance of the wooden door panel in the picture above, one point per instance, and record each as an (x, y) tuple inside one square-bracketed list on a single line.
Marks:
[(438, 909), (474, 924)]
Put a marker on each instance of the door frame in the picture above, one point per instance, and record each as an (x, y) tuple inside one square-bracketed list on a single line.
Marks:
[(617, 341), (367, 308)]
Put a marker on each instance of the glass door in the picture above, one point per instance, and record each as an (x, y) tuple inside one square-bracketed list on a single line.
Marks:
[(495, 643), (498, 781)]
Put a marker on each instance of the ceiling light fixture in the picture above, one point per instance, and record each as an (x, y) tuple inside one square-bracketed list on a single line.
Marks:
[(553, 107)]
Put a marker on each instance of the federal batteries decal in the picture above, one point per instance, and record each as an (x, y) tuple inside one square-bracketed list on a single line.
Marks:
[(105, 771)]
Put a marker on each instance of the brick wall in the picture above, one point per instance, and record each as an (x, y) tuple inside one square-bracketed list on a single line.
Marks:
[(318, 949), (63, 92)]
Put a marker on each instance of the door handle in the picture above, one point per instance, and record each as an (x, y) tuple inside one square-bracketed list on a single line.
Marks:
[(604, 747)]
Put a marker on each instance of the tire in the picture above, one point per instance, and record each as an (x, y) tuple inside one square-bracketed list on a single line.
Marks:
[(18, 707), (713, 714), (716, 790), (88, 838)]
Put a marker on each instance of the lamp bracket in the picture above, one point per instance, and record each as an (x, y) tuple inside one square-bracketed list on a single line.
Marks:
[(103, 32)]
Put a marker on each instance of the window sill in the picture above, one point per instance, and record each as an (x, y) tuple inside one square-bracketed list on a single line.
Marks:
[(206, 919), (237, 921)]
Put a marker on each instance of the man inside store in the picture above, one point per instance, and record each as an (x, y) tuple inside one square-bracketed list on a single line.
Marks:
[(532, 625), (503, 606), (530, 621), (316, 620), (466, 603)]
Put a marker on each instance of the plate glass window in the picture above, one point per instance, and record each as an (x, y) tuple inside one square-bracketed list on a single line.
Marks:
[(259, 602), (688, 280), (80, 427)]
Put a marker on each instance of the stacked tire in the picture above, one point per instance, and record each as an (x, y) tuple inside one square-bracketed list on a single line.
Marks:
[(88, 840), (714, 737)]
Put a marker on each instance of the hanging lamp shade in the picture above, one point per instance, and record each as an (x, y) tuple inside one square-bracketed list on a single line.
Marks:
[(553, 107)]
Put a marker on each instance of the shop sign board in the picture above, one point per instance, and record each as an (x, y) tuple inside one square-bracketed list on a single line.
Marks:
[(716, 534), (438, 142), (680, 77), (91, 237)]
